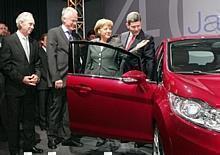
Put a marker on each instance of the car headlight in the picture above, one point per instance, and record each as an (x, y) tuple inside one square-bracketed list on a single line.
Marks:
[(195, 111)]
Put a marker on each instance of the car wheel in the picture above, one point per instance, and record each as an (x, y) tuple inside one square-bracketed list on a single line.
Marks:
[(157, 145)]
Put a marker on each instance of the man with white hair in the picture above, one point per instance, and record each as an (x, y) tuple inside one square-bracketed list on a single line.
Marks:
[(20, 63), (57, 50)]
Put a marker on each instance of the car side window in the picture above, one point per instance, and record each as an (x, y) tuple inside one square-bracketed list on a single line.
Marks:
[(160, 68), (159, 62), (102, 60)]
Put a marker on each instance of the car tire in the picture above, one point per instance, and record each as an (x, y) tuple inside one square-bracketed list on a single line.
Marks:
[(157, 143)]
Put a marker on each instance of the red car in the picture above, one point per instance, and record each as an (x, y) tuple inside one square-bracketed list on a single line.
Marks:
[(178, 111)]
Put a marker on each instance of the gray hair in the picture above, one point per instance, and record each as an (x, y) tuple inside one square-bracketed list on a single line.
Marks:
[(67, 11), (24, 16), (133, 17)]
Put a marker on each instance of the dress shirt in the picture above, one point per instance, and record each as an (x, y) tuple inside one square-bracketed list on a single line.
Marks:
[(25, 44), (45, 49), (131, 39), (67, 33)]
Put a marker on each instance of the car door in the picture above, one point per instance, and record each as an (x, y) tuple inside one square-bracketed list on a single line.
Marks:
[(114, 106)]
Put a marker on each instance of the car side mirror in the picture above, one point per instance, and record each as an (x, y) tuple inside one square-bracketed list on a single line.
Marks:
[(134, 77)]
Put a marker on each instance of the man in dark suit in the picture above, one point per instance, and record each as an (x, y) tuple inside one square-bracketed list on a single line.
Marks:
[(19, 60), (3, 135), (135, 35), (57, 50), (42, 87)]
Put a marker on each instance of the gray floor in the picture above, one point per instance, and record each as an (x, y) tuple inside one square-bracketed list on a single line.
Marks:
[(89, 147)]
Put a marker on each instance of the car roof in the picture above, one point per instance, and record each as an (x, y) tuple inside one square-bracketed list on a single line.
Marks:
[(174, 39)]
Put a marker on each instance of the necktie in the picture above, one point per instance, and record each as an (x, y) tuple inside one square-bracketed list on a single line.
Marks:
[(130, 42), (70, 37), (27, 49)]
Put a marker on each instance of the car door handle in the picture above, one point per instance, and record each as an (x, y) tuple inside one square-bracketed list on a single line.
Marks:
[(82, 89)]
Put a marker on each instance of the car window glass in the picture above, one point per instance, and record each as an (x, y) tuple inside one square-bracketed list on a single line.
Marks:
[(159, 64), (200, 55), (101, 60)]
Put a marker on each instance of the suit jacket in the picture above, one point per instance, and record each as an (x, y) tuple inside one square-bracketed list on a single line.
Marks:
[(146, 53), (105, 62), (57, 52), (43, 84), (1, 38), (15, 65)]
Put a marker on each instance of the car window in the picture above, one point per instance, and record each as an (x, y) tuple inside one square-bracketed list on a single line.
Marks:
[(159, 64), (101, 60), (200, 55)]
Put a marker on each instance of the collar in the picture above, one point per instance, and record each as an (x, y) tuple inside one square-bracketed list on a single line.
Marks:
[(64, 28), (20, 35), (45, 49)]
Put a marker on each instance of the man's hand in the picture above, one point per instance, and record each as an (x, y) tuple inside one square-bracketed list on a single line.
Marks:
[(59, 84), (35, 79), (139, 45), (31, 80)]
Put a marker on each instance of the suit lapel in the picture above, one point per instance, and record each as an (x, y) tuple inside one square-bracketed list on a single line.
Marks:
[(124, 38), (19, 45), (62, 34), (31, 49), (138, 39)]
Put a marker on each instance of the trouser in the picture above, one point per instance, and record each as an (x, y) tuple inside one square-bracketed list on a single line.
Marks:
[(3, 109), (21, 110), (43, 107), (56, 111)]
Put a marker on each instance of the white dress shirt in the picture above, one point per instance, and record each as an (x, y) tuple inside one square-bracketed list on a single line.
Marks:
[(25, 44)]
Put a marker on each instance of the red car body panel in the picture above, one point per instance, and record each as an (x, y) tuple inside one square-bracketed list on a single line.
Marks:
[(179, 136), (109, 112), (112, 108)]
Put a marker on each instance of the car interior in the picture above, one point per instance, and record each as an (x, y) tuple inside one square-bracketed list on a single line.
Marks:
[(125, 61), (195, 58)]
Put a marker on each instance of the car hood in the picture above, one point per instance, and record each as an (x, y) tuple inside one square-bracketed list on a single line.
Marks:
[(204, 87)]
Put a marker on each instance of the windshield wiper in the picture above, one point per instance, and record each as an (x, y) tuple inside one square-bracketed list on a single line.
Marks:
[(214, 71), (197, 72)]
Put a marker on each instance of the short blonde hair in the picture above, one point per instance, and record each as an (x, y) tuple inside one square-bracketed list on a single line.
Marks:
[(100, 23)]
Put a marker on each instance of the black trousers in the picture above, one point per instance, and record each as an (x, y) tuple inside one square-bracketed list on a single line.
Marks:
[(43, 107), (56, 111), (3, 109), (21, 109)]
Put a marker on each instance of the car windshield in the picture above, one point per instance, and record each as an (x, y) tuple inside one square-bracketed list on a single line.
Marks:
[(198, 56), (100, 60)]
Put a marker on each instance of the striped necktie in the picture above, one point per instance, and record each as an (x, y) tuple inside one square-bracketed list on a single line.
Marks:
[(70, 36), (130, 42)]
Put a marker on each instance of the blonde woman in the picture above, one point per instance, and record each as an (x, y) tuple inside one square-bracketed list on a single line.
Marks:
[(102, 60)]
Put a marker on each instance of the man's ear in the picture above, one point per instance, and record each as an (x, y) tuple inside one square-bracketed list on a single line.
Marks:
[(127, 25)]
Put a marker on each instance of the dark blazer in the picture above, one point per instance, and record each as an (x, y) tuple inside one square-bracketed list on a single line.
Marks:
[(57, 52), (43, 84), (105, 62), (2, 79), (146, 53), (15, 65)]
